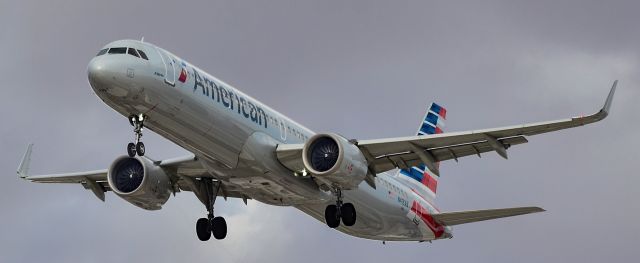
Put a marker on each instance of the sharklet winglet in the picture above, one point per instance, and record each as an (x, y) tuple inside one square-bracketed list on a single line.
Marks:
[(23, 168), (607, 103)]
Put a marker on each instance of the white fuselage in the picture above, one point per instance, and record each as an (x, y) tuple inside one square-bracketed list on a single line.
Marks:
[(234, 136)]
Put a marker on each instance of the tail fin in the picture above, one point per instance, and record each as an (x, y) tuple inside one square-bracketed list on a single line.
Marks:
[(433, 120), (420, 178)]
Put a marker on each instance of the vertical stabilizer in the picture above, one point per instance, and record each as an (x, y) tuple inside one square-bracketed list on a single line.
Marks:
[(420, 178)]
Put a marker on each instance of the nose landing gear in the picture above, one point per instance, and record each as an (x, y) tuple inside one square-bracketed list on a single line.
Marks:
[(137, 121)]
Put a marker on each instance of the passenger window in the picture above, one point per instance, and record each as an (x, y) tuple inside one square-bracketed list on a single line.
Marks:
[(118, 50), (142, 54), (133, 52), (102, 52)]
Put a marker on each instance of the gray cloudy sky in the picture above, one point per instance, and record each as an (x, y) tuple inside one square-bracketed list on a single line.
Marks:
[(366, 69)]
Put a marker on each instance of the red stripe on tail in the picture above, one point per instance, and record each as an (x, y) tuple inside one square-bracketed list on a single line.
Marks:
[(429, 182), (443, 113)]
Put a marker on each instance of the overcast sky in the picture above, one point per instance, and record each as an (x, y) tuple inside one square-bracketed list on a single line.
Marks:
[(365, 69)]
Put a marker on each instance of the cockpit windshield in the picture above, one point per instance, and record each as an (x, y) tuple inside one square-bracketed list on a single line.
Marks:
[(102, 52), (133, 52), (117, 50), (123, 50), (142, 54)]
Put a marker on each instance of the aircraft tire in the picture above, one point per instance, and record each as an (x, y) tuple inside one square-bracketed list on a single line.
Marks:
[(348, 213), (203, 229), (331, 216), (131, 149), (140, 149), (219, 227)]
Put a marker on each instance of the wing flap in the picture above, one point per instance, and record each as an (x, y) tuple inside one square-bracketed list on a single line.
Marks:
[(457, 218), (409, 158)]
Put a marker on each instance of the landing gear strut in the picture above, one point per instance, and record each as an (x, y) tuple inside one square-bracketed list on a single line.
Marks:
[(212, 224), (345, 211), (137, 121)]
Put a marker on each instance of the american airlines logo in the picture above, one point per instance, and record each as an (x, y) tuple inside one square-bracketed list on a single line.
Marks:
[(232, 101), (183, 73)]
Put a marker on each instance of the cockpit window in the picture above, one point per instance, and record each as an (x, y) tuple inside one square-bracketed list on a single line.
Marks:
[(118, 50), (133, 52), (102, 52), (142, 54), (123, 50)]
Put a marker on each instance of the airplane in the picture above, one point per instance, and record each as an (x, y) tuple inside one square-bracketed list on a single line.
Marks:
[(380, 189)]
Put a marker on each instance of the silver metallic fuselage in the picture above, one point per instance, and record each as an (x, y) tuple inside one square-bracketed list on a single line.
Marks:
[(234, 136)]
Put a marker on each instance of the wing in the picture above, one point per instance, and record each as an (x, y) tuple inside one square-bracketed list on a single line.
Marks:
[(404, 152), (457, 218), (183, 172)]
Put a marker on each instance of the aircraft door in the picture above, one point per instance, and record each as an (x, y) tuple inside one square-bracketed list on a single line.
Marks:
[(169, 67)]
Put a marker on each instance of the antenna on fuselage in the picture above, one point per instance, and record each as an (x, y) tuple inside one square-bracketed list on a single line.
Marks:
[(142, 40)]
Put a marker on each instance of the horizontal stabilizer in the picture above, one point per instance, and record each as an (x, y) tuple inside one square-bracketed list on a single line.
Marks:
[(457, 218)]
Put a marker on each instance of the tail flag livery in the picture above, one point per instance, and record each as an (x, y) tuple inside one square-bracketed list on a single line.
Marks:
[(433, 121), (424, 180)]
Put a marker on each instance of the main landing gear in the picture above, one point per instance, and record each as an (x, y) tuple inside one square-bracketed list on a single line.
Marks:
[(212, 224), (137, 121), (345, 211)]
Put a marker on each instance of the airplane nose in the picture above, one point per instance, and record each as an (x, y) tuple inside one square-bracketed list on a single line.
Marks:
[(99, 70), (108, 76)]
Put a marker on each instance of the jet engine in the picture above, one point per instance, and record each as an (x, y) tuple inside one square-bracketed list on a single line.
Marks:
[(140, 182), (334, 161)]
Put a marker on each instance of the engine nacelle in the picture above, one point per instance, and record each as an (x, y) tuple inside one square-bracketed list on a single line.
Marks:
[(140, 182), (334, 161)]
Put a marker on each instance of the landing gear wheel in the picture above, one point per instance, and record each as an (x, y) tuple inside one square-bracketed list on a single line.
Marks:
[(331, 216), (140, 148), (215, 225), (131, 149), (348, 213), (137, 121), (203, 229), (219, 227)]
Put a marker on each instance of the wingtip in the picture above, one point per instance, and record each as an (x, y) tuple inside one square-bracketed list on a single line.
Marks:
[(607, 103), (23, 168)]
